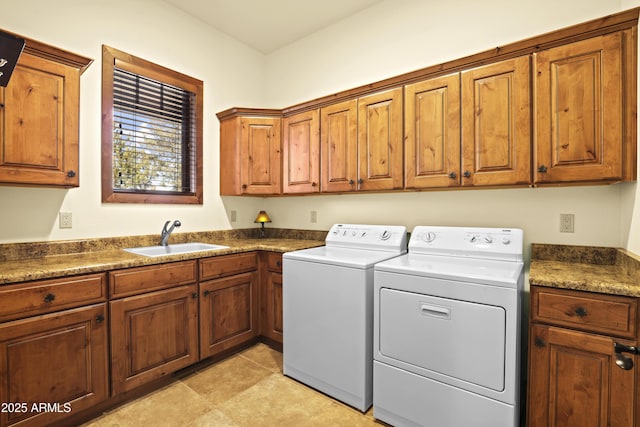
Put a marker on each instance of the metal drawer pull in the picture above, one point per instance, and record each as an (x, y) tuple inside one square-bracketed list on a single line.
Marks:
[(435, 311), (580, 312), (49, 297), (622, 361)]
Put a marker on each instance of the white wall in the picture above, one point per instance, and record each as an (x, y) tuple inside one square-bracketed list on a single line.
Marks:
[(390, 38), (398, 36), (232, 73)]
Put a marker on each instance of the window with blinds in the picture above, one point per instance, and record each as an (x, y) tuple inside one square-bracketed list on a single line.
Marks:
[(154, 132)]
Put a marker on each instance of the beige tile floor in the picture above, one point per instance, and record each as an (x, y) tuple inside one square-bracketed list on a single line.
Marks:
[(247, 389)]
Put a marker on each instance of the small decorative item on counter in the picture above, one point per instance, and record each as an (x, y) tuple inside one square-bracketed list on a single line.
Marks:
[(262, 218)]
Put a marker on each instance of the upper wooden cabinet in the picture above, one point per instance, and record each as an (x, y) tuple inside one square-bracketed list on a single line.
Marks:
[(432, 133), (339, 146), (496, 131), (361, 143), (250, 158), (559, 108), (581, 90), (301, 153), (380, 141), (39, 118)]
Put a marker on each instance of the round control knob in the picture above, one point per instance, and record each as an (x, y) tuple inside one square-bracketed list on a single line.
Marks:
[(473, 239), (385, 235), (429, 236), (364, 233), (505, 241), (488, 239)]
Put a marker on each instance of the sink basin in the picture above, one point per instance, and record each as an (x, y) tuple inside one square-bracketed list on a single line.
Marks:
[(178, 248)]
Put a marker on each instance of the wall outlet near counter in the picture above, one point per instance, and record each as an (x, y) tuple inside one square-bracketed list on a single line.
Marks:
[(566, 223), (66, 220), (234, 216), (313, 217)]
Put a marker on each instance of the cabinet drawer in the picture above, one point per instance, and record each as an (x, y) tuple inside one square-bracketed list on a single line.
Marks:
[(32, 298), (144, 279), (601, 313), (274, 262), (212, 268)]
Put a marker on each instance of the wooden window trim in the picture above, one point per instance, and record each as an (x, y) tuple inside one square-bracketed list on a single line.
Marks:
[(110, 58)]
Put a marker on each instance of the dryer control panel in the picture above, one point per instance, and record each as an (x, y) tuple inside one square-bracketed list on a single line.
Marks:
[(361, 236), (485, 243)]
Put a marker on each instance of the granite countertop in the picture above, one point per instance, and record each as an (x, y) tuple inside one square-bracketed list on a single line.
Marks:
[(593, 269), (43, 260)]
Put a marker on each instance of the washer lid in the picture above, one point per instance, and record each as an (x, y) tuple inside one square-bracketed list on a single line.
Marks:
[(480, 271), (354, 258)]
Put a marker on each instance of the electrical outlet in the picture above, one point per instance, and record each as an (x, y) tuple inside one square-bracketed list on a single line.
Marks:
[(566, 223), (233, 216), (65, 220), (314, 216)]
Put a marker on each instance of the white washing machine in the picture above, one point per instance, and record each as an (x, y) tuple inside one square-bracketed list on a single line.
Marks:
[(328, 309), (447, 329)]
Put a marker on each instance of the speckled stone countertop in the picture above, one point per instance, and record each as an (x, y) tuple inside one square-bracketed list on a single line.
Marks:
[(21, 262), (584, 268)]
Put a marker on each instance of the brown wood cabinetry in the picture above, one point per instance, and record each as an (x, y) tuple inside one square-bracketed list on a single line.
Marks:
[(380, 141), (228, 302), (53, 348), (39, 118), (557, 109), (496, 131), (432, 133), (339, 146), (301, 153), (583, 91), (250, 158), (153, 333), (272, 298), (573, 375), (361, 143)]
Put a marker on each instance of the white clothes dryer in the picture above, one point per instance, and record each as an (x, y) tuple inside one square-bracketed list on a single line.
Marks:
[(447, 329)]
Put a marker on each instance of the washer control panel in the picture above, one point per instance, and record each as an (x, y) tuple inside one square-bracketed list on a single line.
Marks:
[(380, 237), (487, 243)]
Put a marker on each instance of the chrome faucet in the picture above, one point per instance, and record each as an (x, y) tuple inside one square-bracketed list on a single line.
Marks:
[(164, 238)]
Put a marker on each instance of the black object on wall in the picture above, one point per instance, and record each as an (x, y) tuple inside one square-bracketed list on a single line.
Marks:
[(10, 50)]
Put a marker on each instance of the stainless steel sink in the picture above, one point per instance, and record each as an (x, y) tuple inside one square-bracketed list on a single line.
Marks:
[(178, 248)]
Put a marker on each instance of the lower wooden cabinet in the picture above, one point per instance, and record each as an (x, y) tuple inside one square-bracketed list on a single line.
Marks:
[(228, 312), (152, 335), (272, 298), (229, 303), (574, 379), (53, 365)]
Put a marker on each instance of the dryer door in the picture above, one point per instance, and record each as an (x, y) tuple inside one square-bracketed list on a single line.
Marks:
[(452, 338)]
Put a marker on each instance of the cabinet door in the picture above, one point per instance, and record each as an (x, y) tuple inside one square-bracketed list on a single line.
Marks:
[(260, 155), (432, 133), (228, 313), (301, 153), (339, 143), (273, 307), (58, 359), (574, 380), (39, 124), (153, 335), (496, 136), (380, 141), (579, 121)]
